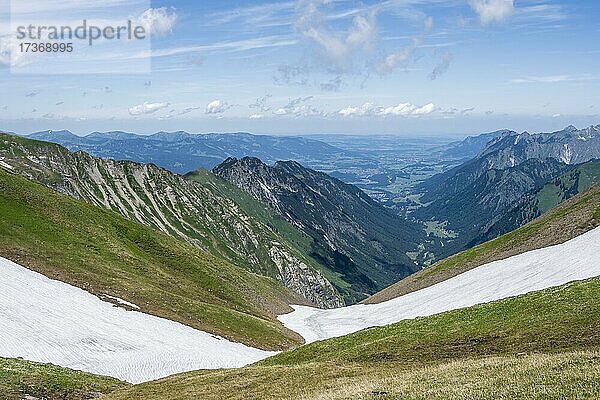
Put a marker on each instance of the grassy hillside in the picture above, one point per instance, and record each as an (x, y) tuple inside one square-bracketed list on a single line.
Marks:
[(542, 345), (19, 378), (568, 220), (199, 210), (104, 253), (531, 206)]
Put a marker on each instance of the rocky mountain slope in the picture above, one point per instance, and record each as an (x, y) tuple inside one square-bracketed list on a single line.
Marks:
[(201, 211), (356, 237), (469, 197), (113, 258), (570, 146), (536, 203), (471, 146)]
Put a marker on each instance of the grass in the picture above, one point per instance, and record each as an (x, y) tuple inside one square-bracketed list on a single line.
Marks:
[(576, 181), (568, 220), (102, 252), (574, 375), (19, 378), (542, 345)]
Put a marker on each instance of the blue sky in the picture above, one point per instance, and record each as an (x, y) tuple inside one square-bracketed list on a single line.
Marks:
[(331, 66)]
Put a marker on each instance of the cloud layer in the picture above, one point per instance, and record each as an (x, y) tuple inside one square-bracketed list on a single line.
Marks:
[(158, 21)]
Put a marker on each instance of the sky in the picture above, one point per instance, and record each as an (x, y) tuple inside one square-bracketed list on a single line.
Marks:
[(408, 67)]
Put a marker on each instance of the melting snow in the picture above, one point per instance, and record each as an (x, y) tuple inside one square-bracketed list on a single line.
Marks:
[(121, 301), (574, 260), (49, 321), (567, 154)]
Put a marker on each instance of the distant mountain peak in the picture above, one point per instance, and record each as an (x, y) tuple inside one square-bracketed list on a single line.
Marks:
[(571, 128), (52, 135), (53, 132)]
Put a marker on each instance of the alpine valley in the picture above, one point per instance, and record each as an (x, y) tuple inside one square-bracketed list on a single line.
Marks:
[(240, 266)]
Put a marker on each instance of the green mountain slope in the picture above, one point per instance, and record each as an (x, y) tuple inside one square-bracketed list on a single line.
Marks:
[(471, 197), (476, 194), (544, 342), (550, 195), (201, 211), (356, 237), (564, 222), (19, 379), (104, 253)]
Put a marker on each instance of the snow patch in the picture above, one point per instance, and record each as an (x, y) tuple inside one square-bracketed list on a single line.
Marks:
[(5, 165), (49, 321), (121, 301), (567, 154), (574, 260)]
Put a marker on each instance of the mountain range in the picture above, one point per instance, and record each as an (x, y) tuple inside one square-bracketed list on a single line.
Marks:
[(181, 152), (469, 198), (202, 210), (159, 273)]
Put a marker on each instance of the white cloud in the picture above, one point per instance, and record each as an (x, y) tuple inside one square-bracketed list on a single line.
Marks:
[(424, 110), (256, 116), (300, 107), (492, 10), (402, 109), (158, 21), (147, 108), (393, 60), (338, 48), (365, 109), (10, 54), (217, 107)]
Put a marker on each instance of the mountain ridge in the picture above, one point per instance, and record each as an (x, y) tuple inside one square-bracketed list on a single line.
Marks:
[(340, 217), (198, 211)]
